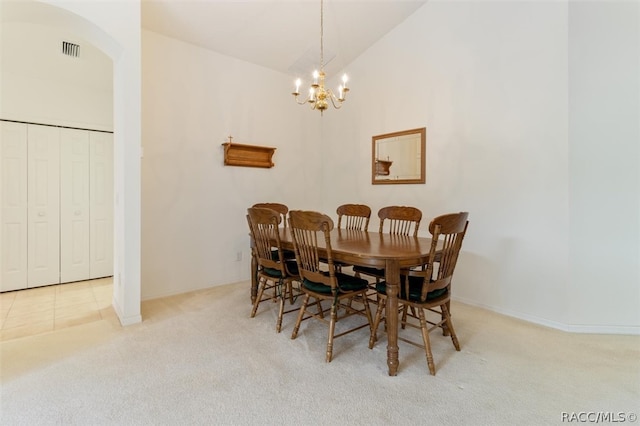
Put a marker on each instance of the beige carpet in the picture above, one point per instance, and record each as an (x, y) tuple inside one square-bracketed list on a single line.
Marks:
[(199, 359)]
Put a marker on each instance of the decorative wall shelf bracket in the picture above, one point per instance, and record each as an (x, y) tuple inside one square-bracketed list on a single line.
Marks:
[(236, 154)]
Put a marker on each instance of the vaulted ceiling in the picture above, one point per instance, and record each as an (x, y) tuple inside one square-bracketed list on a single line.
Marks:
[(281, 35)]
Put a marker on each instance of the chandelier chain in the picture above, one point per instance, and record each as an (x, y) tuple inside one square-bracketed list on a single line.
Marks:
[(321, 34)]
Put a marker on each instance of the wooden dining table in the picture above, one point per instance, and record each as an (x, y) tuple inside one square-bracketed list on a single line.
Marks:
[(391, 252)]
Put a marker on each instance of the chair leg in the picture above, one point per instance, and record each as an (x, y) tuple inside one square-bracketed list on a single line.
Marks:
[(403, 322), (289, 287), (449, 323), (445, 327), (300, 316), (280, 313), (320, 311), (332, 329), (367, 310), (376, 323), (261, 285), (427, 344)]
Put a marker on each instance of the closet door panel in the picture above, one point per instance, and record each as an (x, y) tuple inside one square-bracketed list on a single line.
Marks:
[(44, 206), (74, 202), (101, 201), (13, 206)]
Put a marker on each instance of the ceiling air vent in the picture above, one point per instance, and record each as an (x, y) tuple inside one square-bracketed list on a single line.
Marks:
[(70, 49)]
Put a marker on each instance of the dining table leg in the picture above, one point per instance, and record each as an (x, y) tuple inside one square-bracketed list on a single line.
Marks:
[(392, 276)]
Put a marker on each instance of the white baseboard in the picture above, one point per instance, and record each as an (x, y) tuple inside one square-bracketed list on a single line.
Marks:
[(604, 329), (125, 321), (571, 328)]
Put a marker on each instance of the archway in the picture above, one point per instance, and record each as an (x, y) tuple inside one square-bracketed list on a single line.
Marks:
[(114, 28)]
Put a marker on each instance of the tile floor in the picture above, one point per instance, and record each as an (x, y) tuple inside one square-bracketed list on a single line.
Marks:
[(43, 309)]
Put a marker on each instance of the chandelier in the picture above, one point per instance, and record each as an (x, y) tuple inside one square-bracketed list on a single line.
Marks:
[(319, 97)]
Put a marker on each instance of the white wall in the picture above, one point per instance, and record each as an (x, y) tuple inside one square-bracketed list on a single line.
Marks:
[(39, 84), (489, 80), (604, 165), (194, 207)]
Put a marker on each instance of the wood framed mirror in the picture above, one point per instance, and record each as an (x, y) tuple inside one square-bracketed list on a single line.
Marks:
[(399, 157)]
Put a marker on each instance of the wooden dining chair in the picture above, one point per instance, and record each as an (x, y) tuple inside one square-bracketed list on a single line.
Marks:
[(280, 208), (428, 289), (400, 220), (283, 210), (394, 220), (311, 241), (353, 216), (274, 271)]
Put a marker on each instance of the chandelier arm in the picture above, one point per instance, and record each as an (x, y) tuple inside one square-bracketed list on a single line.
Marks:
[(333, 102), (334, 99), (301, 103)]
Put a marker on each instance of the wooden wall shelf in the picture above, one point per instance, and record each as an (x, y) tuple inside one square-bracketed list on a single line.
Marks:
[(382, 167), (236, 154)]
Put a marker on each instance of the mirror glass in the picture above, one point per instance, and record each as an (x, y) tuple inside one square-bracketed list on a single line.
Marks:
[(399, 157)]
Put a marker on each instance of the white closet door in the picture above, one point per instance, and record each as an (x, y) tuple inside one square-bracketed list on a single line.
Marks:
[(101, 201), (74, 205), (13, 206), (44, 206)]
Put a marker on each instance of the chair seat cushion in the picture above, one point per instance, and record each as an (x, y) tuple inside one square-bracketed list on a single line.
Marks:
[(369, 271), (346, 283), (275, 273), (415, 290)]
